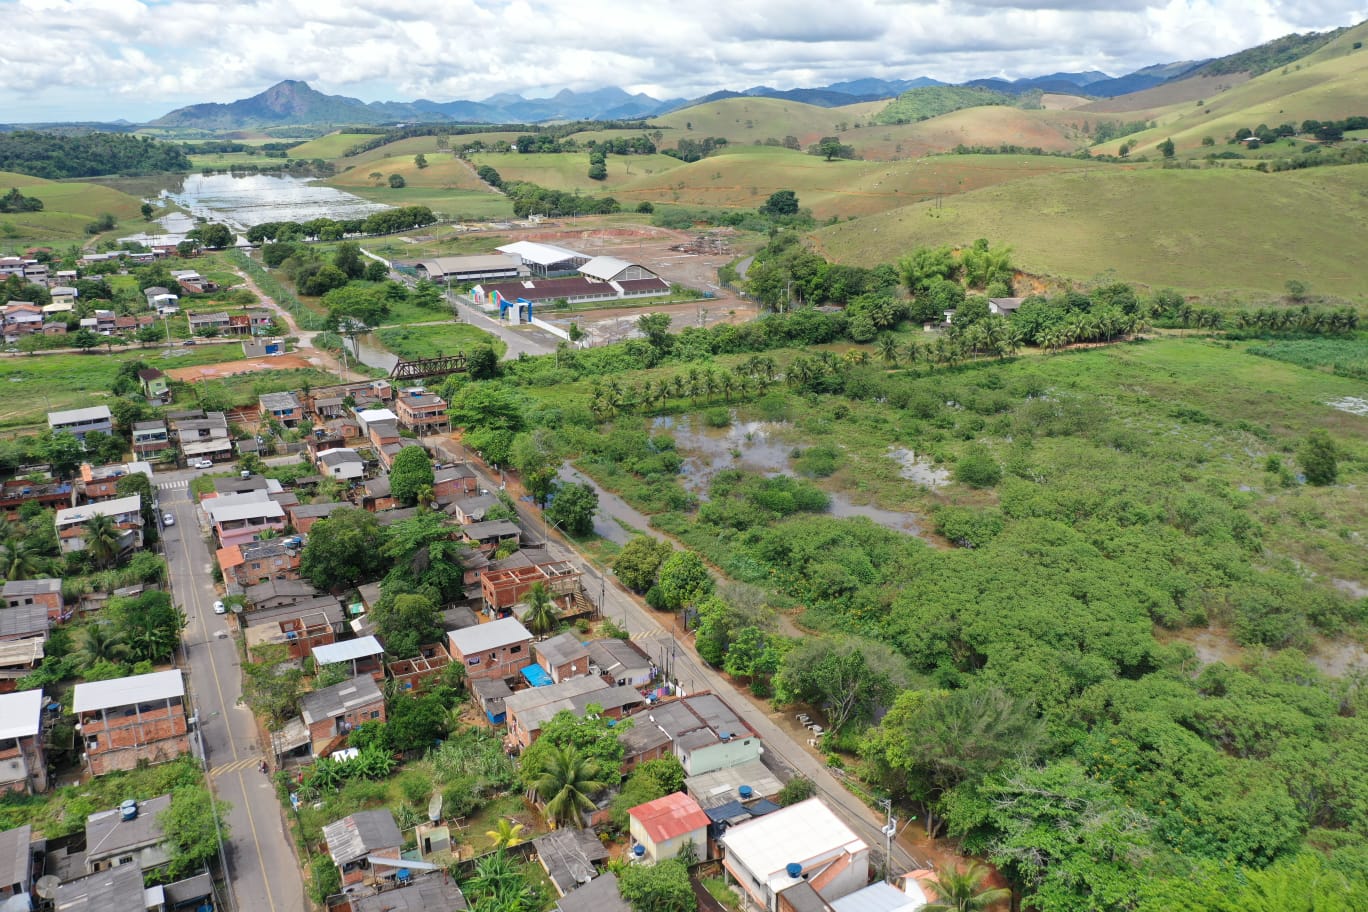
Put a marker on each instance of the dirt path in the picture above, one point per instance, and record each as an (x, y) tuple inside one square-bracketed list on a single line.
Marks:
[(317, 357)]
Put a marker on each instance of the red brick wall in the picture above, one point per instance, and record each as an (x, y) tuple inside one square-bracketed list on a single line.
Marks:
[(127, 759)]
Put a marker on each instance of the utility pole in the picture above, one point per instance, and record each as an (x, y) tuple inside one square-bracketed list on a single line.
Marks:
[(890, 828)]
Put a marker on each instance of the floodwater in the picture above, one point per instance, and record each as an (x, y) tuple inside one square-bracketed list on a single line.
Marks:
[(919, 468), (1336, 658), (766, 447), (244, 200), (371, 353)]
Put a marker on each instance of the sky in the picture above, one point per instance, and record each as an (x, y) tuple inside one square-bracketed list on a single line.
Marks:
[(138, 59)]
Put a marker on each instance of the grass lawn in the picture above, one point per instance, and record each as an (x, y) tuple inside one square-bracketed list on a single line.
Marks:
[(243, 389), (40, 383), (68, 206), (475, 205), (441, 339)]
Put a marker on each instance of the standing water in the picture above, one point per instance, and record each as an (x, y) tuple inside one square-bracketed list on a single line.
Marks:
[(242, 201)]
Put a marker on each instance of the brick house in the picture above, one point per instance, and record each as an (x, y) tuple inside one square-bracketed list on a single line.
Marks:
[(502, 589), (130, 720), (361, 656), (499, 649), (252, 563), (365, 834), (418, 673), (452, 481), (528, 710), (126, 512), (282, 407), (150, 438), (114, 840), (563, 657), (422, 412), (23, 764), (303, 516), (331, 713), (16, 492), (44, 592)]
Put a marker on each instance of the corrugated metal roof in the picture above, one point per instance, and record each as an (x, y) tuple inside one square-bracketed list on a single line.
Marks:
[(667, 818), (360, 834), (541, 254), (20, 717), (798, 834), (347, 651), (484, 637), (160, 685)]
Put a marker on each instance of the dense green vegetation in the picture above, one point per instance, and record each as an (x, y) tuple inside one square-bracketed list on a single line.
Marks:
[(59, 155), (932, 101), (1269, 56)]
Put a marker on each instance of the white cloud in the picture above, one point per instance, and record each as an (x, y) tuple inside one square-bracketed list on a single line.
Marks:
[(89, 59)]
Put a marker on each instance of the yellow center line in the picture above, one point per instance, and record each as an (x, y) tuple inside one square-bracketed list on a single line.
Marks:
[(204, 629), (261, 859)]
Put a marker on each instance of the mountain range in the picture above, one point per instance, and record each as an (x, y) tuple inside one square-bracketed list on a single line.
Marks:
[(292, 102)]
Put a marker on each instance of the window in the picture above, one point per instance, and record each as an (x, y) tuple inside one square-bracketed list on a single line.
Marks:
[(375, 714), (125, 859), (514, 650)]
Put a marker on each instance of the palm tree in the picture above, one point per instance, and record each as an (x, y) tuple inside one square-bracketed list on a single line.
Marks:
[(961, 890), (541, 613), (567, 783), (506, 834), (18, 560), (913, 351), (101, 644), (888, 351), (102, 538)]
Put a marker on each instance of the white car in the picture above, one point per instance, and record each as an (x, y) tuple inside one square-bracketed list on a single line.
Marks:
[(218, 608), (168, 519), (202, 464)]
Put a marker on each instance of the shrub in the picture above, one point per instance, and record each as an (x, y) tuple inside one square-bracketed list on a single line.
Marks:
[(978, 469)]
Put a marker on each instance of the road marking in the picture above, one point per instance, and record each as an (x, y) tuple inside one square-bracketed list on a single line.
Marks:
[(173, 485), (256, 840), (235, 766)]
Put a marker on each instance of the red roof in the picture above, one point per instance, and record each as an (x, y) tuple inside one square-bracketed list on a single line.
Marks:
[(229, 557), (667, 818)]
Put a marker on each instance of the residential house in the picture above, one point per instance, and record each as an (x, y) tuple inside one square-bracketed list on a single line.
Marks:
[(364, 656), (663, 828), (106, 322), (238, 518), (55, 328), (44, 592), (203, 436), (1004, 307), (452, 481), (562, 657), (127, 721), (331, 713), (124, 326), (252, 563), (51, 495), (193, 282), (367, 418), (599, 895), (434, 892), (154, 386), (259, 319), (502, 589), (150, 438), (303, 516), (487, 536), (204, 324), (377, 495), (499, 649), (19, 658), (101, 483), (238, 484), (128, 835), (912, 895), (117, 889), (22, 318), (36, 272), (16, 867), (355, 839), (300, 626), (641, 742), (620, 662), (805, 842), (63, 294), (490, 694), (571, 857), (705, 734), (26, 622), (422, 412), (746, 783), (82, 421), (23, 762), (58, 311), (274, 593), (126, 512), (528, 710), (472, 508), (342, 464), (282, 407), (418, 673)]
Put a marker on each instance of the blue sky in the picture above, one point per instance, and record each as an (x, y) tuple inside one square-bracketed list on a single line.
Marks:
[(138, 59)]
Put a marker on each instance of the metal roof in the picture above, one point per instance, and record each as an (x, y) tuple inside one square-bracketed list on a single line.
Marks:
[(800, 833), (434, 893), (721, 786), (541, 254), (15, 857), (21, 588), (72, 515), (484, 637), (339, 456), (267, 508), (16, 653), (107, 833), (568, 855), (604, 267), (20, 717), (79, 416), (116, 889), (477, 263), (331, 702), (498, 528), (879, 897), (160, 685), (669, 817), (24, 621), (599, 895), (562, 650), (360, 834), (347, 651)]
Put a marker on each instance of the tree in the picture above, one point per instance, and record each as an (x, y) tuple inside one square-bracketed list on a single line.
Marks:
[(1319, 459), (343, 549), (656, 328), (482, 363), (193, 823), (573, 507), (639, 561), (397, 182), (348, 258), (683, 581), (415, 723), (780, 203), (150, 625), (662, 887), (63, 452), (541, 611), (324, 879), (506, 834), (412, 471), (214, 235), (146, 210), (85, 340), (420, 161), (799, 788), (962, 890), (101, 643), (101, 537), (376, 271), (977, 468), (405, 621), (1166, 148), (567, 782), (19, 560), (848, 678)]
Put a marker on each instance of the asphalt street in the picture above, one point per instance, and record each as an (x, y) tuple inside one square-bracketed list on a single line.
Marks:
[(262, 868)]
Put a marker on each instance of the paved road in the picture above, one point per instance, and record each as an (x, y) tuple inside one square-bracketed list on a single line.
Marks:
[(652, 631), (263, 871)]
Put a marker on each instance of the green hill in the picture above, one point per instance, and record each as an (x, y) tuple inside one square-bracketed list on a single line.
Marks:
[(932, 101), (747, 119), (1202, 231)]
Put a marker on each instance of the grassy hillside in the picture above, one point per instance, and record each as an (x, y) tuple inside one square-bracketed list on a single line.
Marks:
[(1329, 84), (444, 170), (67, 208), (330, 146), (415, 144), (744, 120), (1200, 231), (1053, 131), (570, 171), (932, 101)]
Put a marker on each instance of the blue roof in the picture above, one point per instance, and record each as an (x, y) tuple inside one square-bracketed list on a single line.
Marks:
[(536, 676)]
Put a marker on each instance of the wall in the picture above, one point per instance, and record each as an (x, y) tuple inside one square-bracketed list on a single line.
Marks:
[(722, 756)]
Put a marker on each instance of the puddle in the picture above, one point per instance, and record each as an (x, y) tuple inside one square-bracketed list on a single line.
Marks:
[(1351, 404), (1211, 646), (919, 468), (1340, 658), (1350, 588), (760, 446)]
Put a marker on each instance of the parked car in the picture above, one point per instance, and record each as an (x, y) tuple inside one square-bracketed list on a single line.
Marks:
[(168, 519), (218, 608), (189, 342), (201, 463)]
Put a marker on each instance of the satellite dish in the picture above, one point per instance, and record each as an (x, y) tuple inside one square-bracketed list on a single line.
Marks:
[(46, 886)]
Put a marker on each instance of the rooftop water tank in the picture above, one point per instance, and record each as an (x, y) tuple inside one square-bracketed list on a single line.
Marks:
[(746, 791), (794, 869), (638, 850), (128, 810)]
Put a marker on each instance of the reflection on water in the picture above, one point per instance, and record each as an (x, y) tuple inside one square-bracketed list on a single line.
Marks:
[(251, 199)]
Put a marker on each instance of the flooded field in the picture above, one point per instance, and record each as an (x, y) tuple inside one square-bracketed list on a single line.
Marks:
[(768, 447), (251, 199)]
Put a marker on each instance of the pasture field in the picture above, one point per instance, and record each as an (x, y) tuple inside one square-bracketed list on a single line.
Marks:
[(570, 170), (1201, 231), (434, 340), (477, 205), (988, 125), (1348, 357), (745, 120), (415, 144), (68, 206), (331, 146), (36, 384), (444, 171)]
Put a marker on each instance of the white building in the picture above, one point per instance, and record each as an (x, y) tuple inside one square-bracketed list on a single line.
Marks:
[(82, 421), (802, 842)]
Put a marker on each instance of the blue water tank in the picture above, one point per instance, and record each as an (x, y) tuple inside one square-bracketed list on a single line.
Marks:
[(794, 869), (638, 850), (746, 791), (128, 810)]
